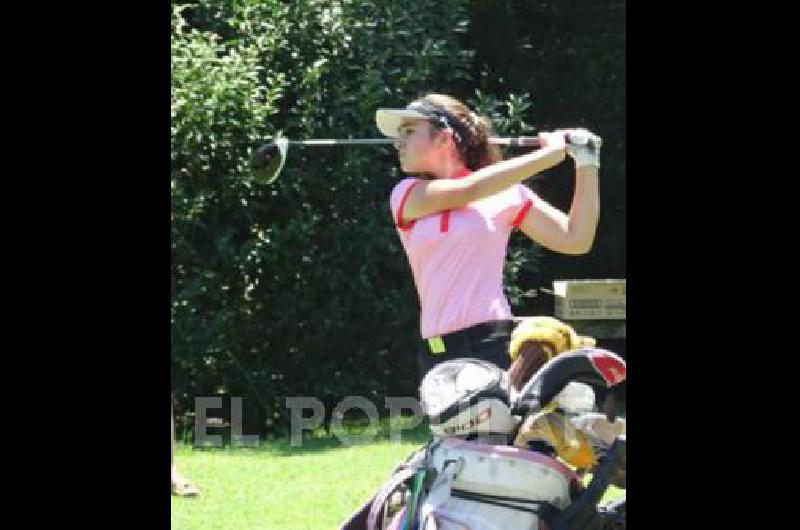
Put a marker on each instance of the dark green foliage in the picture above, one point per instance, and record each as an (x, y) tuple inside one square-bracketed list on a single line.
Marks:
[(302, 288)]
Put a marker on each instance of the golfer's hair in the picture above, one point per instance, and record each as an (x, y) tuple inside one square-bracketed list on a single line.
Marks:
[(475, 150)]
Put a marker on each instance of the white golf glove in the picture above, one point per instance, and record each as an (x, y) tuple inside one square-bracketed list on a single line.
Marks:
[(584, 147)]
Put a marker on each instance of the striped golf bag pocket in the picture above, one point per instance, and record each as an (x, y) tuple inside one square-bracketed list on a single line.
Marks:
[(490, 487)]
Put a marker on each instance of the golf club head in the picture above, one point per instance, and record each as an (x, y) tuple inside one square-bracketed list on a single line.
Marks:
[(267, 161), (593, 366)]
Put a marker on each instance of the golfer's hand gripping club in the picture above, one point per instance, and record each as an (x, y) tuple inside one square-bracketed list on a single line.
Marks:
[(584, 147)]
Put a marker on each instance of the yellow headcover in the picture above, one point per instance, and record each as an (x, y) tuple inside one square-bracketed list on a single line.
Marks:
[(557, 336), (570, 444)]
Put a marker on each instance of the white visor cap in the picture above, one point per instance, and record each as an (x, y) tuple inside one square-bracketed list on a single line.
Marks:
[(390, 120)]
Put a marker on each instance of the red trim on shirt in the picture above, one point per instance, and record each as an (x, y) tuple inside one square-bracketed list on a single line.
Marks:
[(522, 213), (410, 224)]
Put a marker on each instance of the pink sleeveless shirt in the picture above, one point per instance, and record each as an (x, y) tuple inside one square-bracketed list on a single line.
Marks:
[(457, 257)]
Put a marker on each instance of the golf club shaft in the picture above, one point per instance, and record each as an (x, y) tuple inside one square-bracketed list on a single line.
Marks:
[(348, 141), (530, 141)]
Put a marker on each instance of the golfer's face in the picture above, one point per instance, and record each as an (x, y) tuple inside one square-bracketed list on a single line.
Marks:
[(414, 146)]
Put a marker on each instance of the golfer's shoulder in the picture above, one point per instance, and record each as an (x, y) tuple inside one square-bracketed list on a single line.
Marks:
[(400, 189), (520, 193)]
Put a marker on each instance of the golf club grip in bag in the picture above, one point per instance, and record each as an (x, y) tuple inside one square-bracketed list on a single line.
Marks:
[(372, 514), (593, 366)]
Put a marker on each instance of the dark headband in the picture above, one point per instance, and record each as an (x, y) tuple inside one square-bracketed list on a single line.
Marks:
[(441, 119)]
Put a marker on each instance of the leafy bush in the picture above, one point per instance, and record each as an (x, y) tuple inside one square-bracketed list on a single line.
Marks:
[(302, 288)]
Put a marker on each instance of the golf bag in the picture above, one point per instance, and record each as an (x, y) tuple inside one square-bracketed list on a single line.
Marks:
[(488, 487), (490, 465)]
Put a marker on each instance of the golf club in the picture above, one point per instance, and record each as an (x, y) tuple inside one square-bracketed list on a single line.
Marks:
[(267, 161)]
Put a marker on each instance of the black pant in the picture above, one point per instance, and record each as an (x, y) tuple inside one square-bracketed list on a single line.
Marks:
[(487, 341)]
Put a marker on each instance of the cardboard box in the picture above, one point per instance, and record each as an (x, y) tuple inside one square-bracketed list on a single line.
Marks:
[(589, 299)]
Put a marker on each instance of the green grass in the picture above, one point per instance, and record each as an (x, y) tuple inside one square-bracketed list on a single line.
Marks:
[(276, 486)]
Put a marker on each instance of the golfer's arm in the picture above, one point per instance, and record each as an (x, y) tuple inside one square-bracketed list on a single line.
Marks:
[(444, 194), (567, 234)]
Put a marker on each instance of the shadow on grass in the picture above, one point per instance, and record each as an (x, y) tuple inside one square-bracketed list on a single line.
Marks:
[(353, 434)]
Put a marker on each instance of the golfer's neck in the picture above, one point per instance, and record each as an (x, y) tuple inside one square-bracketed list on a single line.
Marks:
[(449, 168)]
